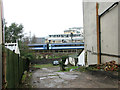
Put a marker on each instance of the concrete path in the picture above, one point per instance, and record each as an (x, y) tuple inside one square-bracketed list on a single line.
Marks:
[(50, 78)]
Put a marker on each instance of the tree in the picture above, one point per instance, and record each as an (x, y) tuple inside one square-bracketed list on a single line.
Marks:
[(25, 52), (33, 40), (26, 40), (13, 32), (71, 35)]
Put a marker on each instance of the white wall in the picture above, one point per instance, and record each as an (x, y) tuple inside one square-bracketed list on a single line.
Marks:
[(109, 31), (109, 35), (119, 32), (0, 25), (89, 14), (81, 58), (0, 49)]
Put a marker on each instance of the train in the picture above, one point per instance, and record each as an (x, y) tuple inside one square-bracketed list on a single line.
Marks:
[(56, 46)]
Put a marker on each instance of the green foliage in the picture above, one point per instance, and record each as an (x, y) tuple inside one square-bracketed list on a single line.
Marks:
[(25, 52), (64, 57), (67, 69), (13, 32), (34, 39), (62, 63), (54, 57), (82, 69), (72, 67), (23, 77)]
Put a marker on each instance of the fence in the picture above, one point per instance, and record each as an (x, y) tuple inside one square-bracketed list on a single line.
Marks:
[(0, 66), (15, 67)]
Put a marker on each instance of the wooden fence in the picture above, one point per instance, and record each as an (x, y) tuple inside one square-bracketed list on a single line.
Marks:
[(0, 66), (14, 68)]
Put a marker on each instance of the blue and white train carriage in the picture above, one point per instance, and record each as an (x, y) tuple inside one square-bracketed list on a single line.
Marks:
[(56, 46)]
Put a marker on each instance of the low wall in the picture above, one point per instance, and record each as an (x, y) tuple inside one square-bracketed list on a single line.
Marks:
[(44, 61)]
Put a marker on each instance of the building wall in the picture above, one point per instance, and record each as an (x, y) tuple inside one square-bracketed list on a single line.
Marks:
[(60, 38), (0, 48), (0, 24), (89, 20), (119, 32), (109, 35), (109, 32), (40, 40)]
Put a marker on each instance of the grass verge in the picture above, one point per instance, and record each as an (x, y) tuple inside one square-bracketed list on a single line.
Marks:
[(43, 65), (25, 82)]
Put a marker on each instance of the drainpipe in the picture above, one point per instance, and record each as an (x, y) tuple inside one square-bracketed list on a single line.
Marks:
[(108, 9), (99, 39)]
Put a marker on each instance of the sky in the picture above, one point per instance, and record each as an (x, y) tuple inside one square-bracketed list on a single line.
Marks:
[(44, 17)]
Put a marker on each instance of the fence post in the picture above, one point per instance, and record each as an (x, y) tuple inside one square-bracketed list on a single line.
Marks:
[(0, 66), (3, 68)]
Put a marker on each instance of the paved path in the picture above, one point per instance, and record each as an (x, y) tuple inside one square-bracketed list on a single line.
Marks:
[(50, 78)]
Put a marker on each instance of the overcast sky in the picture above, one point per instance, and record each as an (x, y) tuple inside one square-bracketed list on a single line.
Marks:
[(44, 17)]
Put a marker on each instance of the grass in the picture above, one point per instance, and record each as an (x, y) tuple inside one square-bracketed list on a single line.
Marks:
[(67, 69), (80, 69), (71, 67), (24, 76), (43, 65), (25, 81)]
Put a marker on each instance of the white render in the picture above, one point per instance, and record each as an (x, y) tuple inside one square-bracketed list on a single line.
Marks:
[(81, 59), (13, 47)]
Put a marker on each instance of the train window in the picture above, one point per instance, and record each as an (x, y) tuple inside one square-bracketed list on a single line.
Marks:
[(62, 36), (68, 45), (11, 45), (37, 46), (54, 35)]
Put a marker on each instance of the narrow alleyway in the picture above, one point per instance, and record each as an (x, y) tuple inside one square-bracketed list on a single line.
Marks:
[(51, 78)]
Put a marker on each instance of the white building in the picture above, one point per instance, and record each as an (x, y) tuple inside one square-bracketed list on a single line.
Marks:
[(77, 36), (13, 47), (109, 39)]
